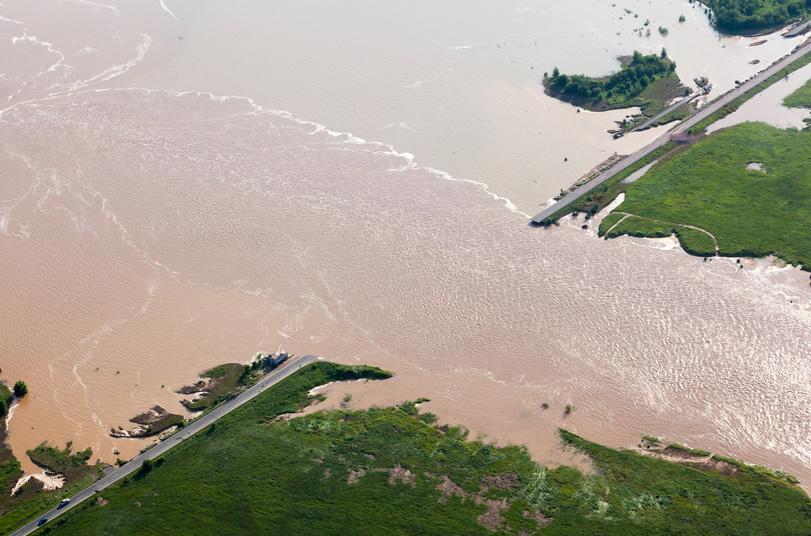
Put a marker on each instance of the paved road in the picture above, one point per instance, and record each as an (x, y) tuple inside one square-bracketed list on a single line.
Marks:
[(181, 435), (700, 115)]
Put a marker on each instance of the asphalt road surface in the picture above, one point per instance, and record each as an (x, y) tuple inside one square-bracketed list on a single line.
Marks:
[(272, 378)]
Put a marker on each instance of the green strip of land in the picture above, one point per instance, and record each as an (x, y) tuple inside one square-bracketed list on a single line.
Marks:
[(395, 471), (800, 98)]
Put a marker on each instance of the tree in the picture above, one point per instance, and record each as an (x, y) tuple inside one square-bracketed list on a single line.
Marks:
[(146, 468), (555, 72), (3, 408), (663, 54), (20, 389)]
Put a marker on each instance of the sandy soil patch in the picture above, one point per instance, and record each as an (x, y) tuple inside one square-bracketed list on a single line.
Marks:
[(755, 166), (49, 482)]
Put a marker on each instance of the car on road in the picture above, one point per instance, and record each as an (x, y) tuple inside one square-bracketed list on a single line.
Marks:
[(42, 521), (64, 503)]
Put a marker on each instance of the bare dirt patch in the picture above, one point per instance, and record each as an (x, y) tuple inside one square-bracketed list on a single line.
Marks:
[(492, 519), (538, 517), (355, 475), (755, 166), (503, 481), (401, 474), (449, 488)]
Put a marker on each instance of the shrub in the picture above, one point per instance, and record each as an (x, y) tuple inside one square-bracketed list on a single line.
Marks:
[(20, 389)]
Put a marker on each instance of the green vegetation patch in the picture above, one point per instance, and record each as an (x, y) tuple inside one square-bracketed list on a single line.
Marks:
[(164, 423), (701, 453), (73, 465), (395, 471), (750, 213), (800, 98), (608, 222), (648, 81), (223, 381), (642, 227), (695, 242), (30, 498), (669, 498)]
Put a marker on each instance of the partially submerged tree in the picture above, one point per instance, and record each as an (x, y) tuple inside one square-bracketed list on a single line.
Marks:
[(20, 389)]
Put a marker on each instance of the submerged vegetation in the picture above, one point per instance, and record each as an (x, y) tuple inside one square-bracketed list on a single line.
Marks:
[(648, 81), (396, 471)]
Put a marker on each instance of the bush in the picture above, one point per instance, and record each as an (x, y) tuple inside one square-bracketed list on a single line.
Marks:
[(20, 389), (145, 469)]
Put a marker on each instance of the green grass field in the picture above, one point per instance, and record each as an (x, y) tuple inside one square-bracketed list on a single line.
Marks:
[(225, 379), (394, 471), (800, 98), (751, 213)]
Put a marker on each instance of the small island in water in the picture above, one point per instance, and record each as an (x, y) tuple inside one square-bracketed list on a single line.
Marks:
[(647, 81)]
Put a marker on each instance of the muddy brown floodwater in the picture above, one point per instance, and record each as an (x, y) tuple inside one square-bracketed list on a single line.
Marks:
[(148, 234)]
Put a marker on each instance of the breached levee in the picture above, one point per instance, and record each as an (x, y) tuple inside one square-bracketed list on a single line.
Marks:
[(219, 225), (148, 235)]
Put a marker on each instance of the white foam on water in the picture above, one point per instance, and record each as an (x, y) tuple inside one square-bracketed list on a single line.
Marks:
[(342, 137), (97, 5), (167, 10)]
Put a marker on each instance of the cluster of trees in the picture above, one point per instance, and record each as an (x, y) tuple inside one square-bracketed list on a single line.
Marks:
[(750, 15), (629, 82), (19, 391)]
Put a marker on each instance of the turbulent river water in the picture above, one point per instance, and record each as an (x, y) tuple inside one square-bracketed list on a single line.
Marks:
[(152, 226)]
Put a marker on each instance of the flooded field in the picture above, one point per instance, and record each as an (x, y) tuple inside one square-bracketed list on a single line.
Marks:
[(153, 227)]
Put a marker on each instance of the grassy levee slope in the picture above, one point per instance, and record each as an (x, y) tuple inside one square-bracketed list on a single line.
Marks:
[(395, 471), (750, 212), (800, 98)]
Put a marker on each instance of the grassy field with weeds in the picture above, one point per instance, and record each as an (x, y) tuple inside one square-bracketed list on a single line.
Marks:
[(31, 498), (223, 381), (800, 98), (751, 212), (395, 471)]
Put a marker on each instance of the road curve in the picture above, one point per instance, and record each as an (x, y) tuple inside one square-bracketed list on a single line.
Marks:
[(700, 115), (269, 380)]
